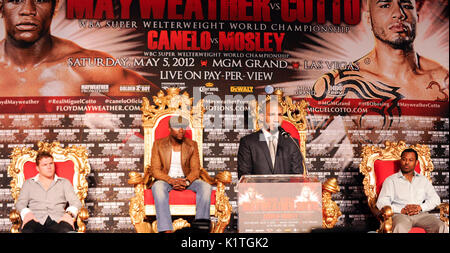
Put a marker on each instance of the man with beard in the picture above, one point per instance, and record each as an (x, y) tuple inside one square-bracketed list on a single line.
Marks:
[(35, 63), (411, 196), (175, 165), (393, 70)]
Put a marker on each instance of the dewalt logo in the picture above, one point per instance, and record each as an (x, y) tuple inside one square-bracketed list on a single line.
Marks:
[(242, 89)]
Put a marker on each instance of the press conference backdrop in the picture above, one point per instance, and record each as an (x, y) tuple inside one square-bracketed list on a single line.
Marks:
[(225, 48)]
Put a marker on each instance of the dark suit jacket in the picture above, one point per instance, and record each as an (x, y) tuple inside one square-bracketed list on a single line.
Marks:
[(162, 156), (254, 156)]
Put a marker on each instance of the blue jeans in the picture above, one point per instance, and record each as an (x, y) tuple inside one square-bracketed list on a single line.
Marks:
[(160, 191)]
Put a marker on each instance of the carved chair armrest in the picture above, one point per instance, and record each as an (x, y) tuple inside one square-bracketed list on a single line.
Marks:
[(443, 207), (377, 213), (148, 178), (223, 177), (135, 178), (206, 177), (330, 210), (223, 206), (386, 212), (16, 220), (83, 215), (386, 219)]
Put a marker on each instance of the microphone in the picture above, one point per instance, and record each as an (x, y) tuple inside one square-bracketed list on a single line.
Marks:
[(286, 135)]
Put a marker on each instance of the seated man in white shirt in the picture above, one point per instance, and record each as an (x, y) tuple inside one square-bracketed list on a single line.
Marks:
[(411, 196), (43, 198), (175, 164)]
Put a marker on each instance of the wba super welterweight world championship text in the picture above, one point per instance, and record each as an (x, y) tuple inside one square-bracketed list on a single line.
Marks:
[(302, 11)]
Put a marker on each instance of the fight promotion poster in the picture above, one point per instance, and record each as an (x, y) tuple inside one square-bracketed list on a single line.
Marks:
[(279, 206), (75, 71)]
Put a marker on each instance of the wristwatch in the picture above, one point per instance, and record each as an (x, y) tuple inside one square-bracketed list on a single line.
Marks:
[(188, 182)]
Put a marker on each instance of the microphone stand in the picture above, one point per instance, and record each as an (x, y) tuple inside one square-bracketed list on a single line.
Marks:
[(284, 134)]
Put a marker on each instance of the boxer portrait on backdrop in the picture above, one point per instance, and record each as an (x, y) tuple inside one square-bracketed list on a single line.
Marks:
[(270, 150), (33, 62), (392, 71)]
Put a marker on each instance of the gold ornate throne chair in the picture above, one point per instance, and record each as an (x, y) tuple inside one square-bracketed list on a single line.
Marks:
[(182, 203), (70, 163), (379, 163), (295, 123)]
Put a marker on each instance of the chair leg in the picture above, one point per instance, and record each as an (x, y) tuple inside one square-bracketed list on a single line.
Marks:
[(180, 223), (82, 216), (223, 210), (143, 227), (330, 209), (177, 224), (444, 212), (154, 227), (137, 208), (16, 221)]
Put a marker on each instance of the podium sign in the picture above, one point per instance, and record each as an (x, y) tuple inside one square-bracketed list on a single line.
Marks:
[(279, 204)]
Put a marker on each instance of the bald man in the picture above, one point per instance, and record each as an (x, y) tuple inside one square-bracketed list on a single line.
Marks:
[(270, 150)]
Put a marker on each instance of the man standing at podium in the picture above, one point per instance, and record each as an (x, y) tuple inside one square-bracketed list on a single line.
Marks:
[(270, 150)]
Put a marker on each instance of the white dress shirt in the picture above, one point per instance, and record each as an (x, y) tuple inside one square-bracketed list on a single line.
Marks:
[(397, 192), (269, 135)]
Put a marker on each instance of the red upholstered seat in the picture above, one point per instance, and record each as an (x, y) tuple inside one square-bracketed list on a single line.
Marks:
[(63, 169), (384, 169), (417, 230), (186, 197)]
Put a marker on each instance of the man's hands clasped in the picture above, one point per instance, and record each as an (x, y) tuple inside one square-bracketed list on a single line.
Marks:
[(178, 184), (411, 210)]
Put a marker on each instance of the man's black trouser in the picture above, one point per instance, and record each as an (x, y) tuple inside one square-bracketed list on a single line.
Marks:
[(50, 226)]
